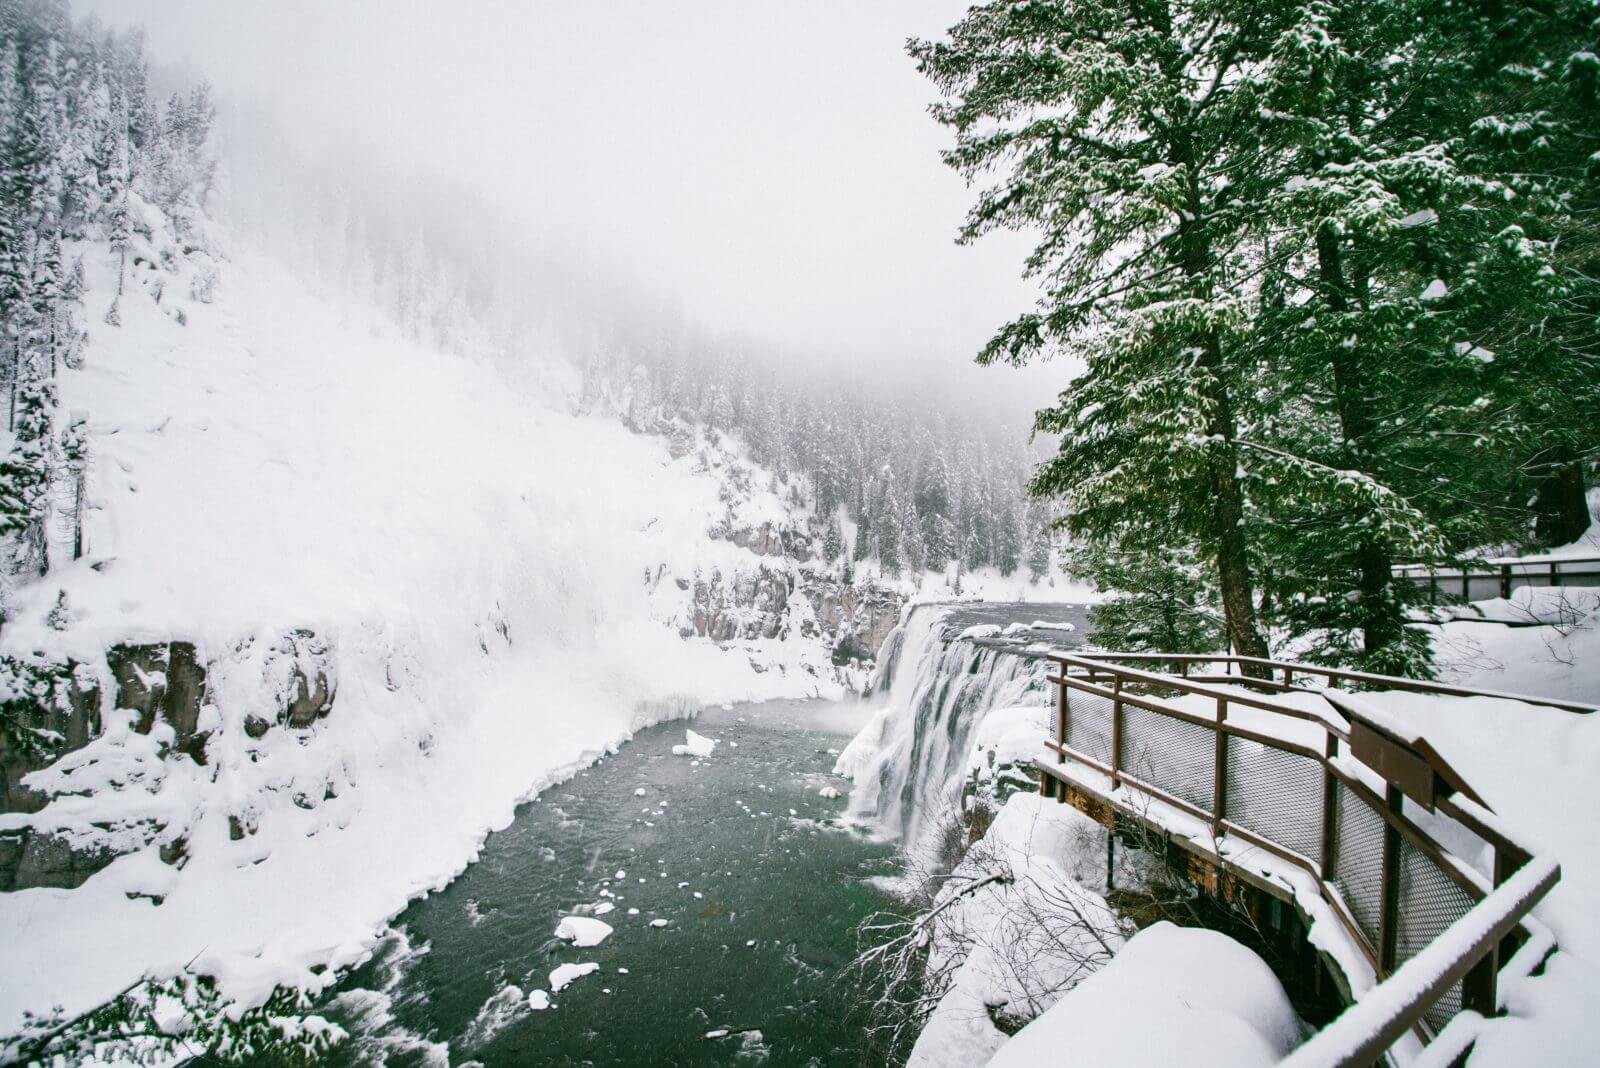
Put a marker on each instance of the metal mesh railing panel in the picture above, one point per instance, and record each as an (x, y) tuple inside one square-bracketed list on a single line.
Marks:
[(1089, 725), (1430, 901), (1357, 868), (1277, 795), (1173, 754)]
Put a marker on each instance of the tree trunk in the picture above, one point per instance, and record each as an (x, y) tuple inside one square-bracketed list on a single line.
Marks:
[(1229, 546), (1561, 505), (1377, 611)]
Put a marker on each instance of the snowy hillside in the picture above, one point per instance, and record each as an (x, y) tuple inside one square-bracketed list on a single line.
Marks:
[(299, 493)]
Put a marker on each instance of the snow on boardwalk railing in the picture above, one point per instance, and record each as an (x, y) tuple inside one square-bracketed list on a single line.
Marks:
[(1234, 766)]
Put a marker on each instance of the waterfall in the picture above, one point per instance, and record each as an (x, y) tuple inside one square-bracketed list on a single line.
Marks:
[(909, 762)]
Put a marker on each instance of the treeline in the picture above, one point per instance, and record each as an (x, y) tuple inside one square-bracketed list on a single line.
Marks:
[(85, 155), (912, 483), (1332, 268), (922, 486)]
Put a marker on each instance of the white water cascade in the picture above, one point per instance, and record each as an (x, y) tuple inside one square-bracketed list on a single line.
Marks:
[(911, 759)]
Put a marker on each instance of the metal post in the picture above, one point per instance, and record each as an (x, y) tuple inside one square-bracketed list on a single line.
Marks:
[(1330, 747), (1389, 914), (1219, 782), (1116, 730), (1061, 721)]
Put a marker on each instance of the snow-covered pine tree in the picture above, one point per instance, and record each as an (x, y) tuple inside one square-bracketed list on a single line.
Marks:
[(833, 541), (1123, 133), (1392, 267), (1538, 68)]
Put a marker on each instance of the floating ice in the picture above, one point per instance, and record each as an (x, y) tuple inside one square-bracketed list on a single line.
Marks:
[(564, 976), (695, 745), (582, 931)]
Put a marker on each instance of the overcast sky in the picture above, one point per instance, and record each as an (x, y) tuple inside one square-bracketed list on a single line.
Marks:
[(773, 162)]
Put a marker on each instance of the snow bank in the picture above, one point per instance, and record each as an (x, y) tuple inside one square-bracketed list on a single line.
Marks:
[(1173, 995), (478, 561), (1008, 938)]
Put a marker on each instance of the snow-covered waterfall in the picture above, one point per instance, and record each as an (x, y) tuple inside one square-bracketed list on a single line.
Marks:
[(909, 762)]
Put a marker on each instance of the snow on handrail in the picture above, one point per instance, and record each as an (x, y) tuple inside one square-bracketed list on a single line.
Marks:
[(1361, 1034)]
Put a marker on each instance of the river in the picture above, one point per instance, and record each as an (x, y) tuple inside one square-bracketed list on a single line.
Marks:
[(735, 893)]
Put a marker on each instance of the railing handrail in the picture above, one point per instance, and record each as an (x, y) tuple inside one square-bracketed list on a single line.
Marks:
[(1388, 682), (1491, 911), (1484, 565)]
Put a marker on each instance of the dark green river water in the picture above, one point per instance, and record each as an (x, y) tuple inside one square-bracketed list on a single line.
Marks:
[(753, 888)]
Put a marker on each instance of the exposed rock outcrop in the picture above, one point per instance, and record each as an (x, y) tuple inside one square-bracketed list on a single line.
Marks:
[(753, 604), (301, 671), (163, 683), (68, 709), (47, 860), (859, 617)]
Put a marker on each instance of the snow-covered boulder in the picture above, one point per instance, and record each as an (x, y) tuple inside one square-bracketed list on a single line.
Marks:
[(1173, 995)]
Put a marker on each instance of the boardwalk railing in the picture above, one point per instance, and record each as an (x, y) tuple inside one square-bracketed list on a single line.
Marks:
[(1345, 798), (1479, 580)]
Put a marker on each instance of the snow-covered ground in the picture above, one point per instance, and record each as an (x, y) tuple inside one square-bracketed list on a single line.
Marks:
[(1171, 995), (478, 559), (1022, 920), (1536, 767)]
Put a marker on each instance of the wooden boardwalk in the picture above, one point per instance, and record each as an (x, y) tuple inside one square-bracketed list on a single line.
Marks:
[(1284, 789)]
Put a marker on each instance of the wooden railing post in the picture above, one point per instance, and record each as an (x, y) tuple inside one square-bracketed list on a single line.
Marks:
[(1219, 781), (1116, 730), (1555, 573), (1466, 583), (1505, 581), (1389, 912)]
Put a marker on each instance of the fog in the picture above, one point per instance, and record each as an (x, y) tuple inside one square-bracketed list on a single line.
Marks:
[(771, 166)]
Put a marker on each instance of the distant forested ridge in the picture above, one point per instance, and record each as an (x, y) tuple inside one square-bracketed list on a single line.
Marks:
[(923, 486), (1332, 268)]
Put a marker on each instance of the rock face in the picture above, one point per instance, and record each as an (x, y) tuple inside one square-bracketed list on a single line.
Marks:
[(164, 684), (759, 603), (307, 689), (770, 540), (753, 604), (860, 616), (49, 860), (71, 712)]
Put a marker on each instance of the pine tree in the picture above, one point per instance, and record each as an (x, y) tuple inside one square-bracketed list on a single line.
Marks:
[(1125, 135), (833, 541)]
